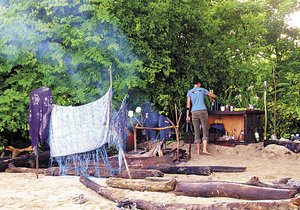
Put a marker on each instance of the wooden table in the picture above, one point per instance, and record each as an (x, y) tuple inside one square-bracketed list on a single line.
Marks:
[(249, 121)]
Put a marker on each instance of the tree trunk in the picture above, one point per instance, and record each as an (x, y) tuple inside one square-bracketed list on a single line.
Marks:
[(188, 170), (98, 189), (141, 162), (254, 181), (149, 205), (197, 170), (233, 190), (141, 173), (261, 205), (227, 169), (54, 171), (27, 160), (142, 185)]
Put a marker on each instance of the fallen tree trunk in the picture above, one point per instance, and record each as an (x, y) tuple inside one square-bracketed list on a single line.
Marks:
[(261, 205), (227, 169), (54, 171), (27, 160), (141, 162), (254, 181), (149, 205), (197, 170), (142, 185), (98, 189), (13, 169), (188, 170), (141, 173), (233, 190)]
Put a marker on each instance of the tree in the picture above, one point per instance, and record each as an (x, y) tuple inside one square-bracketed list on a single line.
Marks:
[(66, 46)]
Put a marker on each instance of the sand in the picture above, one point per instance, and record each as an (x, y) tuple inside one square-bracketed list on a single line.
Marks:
[(25, 191)]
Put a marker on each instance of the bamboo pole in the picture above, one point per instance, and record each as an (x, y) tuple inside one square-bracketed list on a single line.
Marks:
[(125, 162), (110, 76), (119, 141), (37, 166), (266, 111), (134, 138), (275, 100)]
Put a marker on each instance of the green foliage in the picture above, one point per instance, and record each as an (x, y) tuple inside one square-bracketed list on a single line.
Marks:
[(154, 49), (288, 106), (66, 46)]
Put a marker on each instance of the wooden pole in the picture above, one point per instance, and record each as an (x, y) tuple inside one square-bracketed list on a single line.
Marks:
[(266, 111), (275, 100), (37, 166), (125, 162), (134, 138), (37, 160), (110, 76), (119, 141)]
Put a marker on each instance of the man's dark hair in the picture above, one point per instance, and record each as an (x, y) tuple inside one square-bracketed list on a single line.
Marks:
[(196, 80)]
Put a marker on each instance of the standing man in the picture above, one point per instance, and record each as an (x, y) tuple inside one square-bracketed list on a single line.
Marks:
[(196, 105)]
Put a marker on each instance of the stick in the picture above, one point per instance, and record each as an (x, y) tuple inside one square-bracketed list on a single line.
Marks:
[(110, 76), (275, 100), (101, 190), (37, 166), (126, 165), (266, 112)]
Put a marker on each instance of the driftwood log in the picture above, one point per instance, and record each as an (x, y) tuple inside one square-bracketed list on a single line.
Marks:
[(149, 205), (197, 170), (188, 170), (54, 171), (227, 169), (293, 146), (254, 181), (142, 185), (233, 190), (16, 151), (26, 160), (13, 169), (137, 162), (251, 190), (141, 173), (101, 190)]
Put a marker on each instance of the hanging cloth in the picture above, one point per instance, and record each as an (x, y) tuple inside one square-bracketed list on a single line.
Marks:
[(79, 129), (40, 107)]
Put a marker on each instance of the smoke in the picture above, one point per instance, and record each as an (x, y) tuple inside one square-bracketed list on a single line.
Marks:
[(72, 41)]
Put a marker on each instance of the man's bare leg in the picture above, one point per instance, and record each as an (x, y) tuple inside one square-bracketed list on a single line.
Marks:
[(198, 148), (205, 142)]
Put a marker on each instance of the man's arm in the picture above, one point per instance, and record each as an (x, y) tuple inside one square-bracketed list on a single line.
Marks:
[(212, 96), (188, 106)]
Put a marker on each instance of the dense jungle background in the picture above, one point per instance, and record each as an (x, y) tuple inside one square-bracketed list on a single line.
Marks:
[(239, 49)]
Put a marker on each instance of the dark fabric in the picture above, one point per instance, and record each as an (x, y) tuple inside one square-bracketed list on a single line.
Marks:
[(164, 134), (151, 120), (39, 116), (217, 128)]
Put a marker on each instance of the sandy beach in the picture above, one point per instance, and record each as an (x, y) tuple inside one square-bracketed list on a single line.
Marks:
[(25, 191)]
